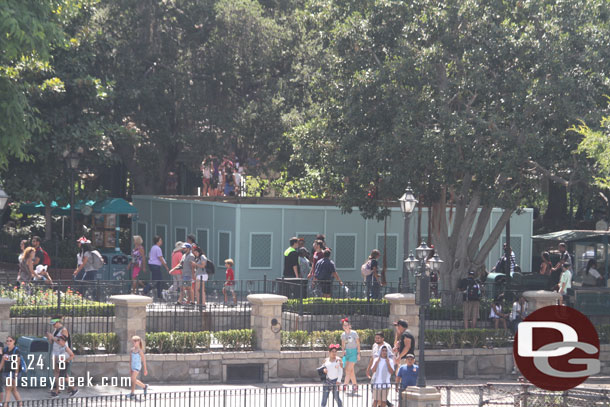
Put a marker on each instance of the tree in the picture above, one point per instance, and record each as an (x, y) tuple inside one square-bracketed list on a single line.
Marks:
[(29, 29), (470, 101)]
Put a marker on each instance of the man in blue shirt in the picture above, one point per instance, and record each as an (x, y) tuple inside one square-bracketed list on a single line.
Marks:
[(407, 374)]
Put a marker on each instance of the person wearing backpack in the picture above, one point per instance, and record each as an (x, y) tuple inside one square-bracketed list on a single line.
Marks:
[(371, 276), (11, 365), (92, 262), (472, 298), (42, 257), (325, 272)]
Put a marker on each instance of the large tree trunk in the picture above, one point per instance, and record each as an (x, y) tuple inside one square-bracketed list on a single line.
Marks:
[(460, 251), (557, 209)]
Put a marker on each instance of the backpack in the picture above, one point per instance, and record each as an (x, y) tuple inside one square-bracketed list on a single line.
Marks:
[(209, 267), (473, 291), (324, 269), (22, 367), (97, 262), (46, 259), (366, 269)]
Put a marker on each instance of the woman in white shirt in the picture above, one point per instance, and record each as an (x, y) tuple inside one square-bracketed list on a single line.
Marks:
[(383, 369), (518, 313), (333, 367)]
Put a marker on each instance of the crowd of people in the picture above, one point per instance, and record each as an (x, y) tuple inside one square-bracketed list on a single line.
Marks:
[(222, 176), (386, 361)]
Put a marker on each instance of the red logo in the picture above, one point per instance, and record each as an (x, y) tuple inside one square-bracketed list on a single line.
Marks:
[(557, 348)]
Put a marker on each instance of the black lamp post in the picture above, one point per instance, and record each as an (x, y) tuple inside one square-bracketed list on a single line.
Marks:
[(72, 158), (407, 205), (422, 297)]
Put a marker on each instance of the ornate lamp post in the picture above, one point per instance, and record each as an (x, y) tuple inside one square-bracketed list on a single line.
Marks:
[(422, 297), (407, 205), (72, 158)]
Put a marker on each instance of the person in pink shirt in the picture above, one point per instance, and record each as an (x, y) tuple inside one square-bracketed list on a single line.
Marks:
[(230, 281), (177, 272)]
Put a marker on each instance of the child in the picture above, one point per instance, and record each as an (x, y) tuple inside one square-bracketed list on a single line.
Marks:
[(61, 357), (407, 374), (497, 315), (137, 361), (333, 368), (42, 274), (383, 368), (230, 281)]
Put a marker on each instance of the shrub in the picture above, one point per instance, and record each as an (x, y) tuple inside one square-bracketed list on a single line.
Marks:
[(467, 338), (177, 342), (90, 343), (321, 339), (339, 306), (91, 310), (236, 338)]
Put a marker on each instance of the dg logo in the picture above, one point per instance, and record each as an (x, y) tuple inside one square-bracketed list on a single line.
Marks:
[(557, 348)]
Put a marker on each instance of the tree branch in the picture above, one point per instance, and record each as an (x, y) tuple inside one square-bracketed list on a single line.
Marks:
[(540, 169)]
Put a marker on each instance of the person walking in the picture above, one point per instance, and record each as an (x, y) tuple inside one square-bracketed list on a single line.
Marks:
[(545, 265), (333, 368), (58, 330), (471, 297), (383, 369), (229, 284), (26, 266), (564, 258), (201, 276), (406, 376), (10, 366), (565, 284), (176, 272), (291, 259), (155, 261), (61, 358), (350, 343), (137, 363), (137, 262), (324, 274), (373, 280), (88, 268), (186, 265), (304, 263), (405, 341), (375, 351)]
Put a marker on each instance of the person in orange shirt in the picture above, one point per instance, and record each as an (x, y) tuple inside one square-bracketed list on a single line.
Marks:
[(177, 272), (230, 281)]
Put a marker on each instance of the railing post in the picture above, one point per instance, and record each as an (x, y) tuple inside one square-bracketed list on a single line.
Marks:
[(265, 284), (480, 396)]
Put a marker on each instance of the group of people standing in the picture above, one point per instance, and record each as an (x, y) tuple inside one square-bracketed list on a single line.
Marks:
[(222, 177), (385, 362)]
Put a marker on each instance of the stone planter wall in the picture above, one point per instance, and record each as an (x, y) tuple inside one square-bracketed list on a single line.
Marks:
[(286, 367)]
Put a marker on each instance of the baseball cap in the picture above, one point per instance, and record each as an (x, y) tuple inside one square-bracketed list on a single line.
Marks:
[(186, 246), (83, 240), (402, 323), (410, 355), (54, 321)]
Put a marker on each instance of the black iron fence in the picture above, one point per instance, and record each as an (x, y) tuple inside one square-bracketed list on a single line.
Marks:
[(82, 313), (500, 395)]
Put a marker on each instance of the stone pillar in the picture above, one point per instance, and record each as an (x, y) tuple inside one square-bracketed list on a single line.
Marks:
[(421, 397), (540, 299), (5, 317), (402, 306), (129, 318), (265, 309)]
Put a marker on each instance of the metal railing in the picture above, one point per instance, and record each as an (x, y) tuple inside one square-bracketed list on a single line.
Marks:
[(492, 394)]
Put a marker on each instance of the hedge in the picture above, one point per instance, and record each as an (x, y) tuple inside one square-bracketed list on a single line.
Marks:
[(321, 339), (86, 344), (467, 338), (339, 306), (91, 310), (193, 342)]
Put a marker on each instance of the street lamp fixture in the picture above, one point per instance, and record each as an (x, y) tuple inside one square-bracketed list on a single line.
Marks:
[(72, 159), (3, 199), (407, 205), (421, 267)]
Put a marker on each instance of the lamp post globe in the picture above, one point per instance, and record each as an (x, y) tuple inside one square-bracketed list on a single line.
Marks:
[(407, 201), (423, 251), (407, 205)]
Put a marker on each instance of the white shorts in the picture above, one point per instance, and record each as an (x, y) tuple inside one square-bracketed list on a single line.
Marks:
[(202, 277)]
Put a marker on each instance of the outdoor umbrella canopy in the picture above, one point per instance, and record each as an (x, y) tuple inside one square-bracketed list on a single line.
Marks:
[(117, 206), (37, 208), (599, 236)]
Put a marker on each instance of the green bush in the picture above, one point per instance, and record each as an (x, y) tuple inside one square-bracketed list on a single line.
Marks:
[(467, 338), (90, 343), (339, 306), (177, 342), (321, 339), (97, 310), (236, 338)]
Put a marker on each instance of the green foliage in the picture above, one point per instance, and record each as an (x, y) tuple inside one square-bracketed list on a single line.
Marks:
[(177, 342), (339, 306), (467, 338), (97, 310), (90, 343), (236, 339), (596, 146), (322, 339)]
